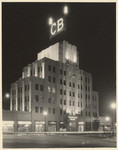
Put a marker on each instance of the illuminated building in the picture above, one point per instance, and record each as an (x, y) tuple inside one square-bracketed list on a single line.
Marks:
[(54, 83)]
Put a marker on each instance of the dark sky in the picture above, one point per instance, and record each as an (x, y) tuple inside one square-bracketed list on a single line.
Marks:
[(90, 26)]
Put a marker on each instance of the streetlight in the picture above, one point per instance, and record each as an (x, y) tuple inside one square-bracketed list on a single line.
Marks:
[(70, 126), (107, 120), (113, 106), (65, 10), (50, 21), (45, 114), (7, 95)]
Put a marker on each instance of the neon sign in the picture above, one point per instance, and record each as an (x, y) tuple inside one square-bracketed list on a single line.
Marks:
[(57, 27)]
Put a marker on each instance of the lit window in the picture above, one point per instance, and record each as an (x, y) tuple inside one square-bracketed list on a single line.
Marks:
[(49, 89), (53, 90)]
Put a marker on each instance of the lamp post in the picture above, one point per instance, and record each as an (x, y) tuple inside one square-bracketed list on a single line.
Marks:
[(113, 106), (107, 120), (45, 114), (70, 126)]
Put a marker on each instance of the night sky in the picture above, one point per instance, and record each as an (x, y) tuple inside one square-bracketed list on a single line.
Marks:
[(90, 26)]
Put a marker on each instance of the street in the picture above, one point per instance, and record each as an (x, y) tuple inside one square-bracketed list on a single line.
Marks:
[(57, 141)]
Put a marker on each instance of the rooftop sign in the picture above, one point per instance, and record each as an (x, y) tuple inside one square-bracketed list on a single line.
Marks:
[(57, 27)]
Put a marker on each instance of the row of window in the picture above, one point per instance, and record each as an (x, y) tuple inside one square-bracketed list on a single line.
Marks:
[(51, 68), (41, 110), (53, 79)]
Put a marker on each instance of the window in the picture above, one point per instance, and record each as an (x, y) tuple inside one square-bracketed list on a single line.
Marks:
[(36, 87), (70, 84), (81, 78), (64, 82), (64, 102), (21, 89), (81, 95), (73, 94), (70, 93), (86, 113), (81, 104), (70, 103), (54, 79), (60, 81), (64, 72), (64, 92), (89, 114), (54, 70), (88, 88), (78, 104), (49, 99), (36, 109), (49, 89), (18, 89), (53, 110), (49, 67), (86, 79), (61, 101), (73, 84), (25, 87), (36, 98), (28, 98), (49, 78), (41, 109), (81, 87), (60, 111), (60, 71), (49, 110), (31, 72), (53, 90), (86, 96), (93, 98), (78, 95), (28, 86), (60, 91), (81, 113), (73, 103), (41, 87), (78, 86)]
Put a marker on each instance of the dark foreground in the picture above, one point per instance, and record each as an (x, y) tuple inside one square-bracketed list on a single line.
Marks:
[(57, 141)]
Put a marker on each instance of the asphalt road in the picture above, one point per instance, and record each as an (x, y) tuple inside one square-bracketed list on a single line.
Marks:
[(56, 141)]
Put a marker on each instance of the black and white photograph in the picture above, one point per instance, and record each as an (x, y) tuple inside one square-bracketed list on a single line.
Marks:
[(58, 74)]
